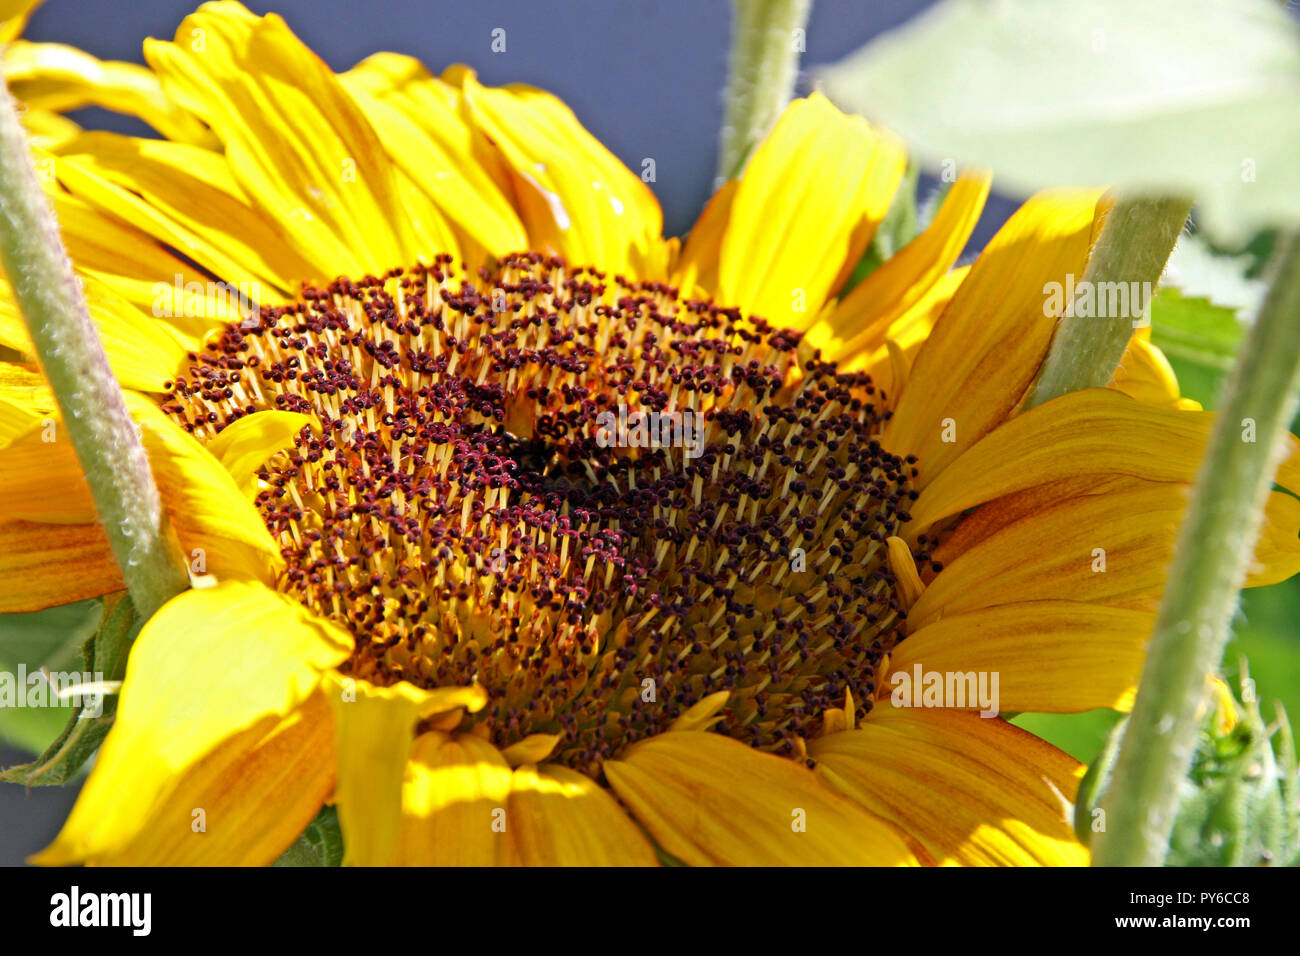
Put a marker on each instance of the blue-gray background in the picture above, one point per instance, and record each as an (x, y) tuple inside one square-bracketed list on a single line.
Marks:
[(645, 76)]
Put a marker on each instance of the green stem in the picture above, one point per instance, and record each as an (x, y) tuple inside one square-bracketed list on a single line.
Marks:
[(1215, 548), (1135, 242), (761, 71), (89, 398)]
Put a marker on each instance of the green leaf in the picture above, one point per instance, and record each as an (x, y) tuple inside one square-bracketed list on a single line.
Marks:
[(1171, 97), (321, 844), (50, 639), (1082, 736), (1199, 338), (1237, 804), (1094, 783), (1202, 271), (105, 653)]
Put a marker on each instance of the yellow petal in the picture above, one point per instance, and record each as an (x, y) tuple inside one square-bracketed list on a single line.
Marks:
[(907, 332), (708, 799), (52, 76), (45, 565), (862, 319), (703, 714), (971, 790), (245, 444), (290, 760), (463, 806), (374, 728), (208, 666), (298, 144), (698, 266), (207, 507), (47, 130), (434, 145), (987, 346), (25, 401), (903, 566), (558, 817), (13, 18), (186, 197), (1059, 553), (1049, 656), (573, 194), (143, 353), (810, 201), (1094, 431), (532, 749)]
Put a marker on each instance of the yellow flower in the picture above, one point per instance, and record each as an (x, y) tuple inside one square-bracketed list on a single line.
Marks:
[(447, 586)]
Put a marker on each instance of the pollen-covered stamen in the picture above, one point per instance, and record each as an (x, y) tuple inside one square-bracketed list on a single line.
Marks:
[(460, 510)]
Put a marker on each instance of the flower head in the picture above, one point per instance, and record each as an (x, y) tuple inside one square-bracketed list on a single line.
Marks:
[(524, 523)]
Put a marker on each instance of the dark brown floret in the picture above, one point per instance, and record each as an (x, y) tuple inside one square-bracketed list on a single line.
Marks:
[(456, 506)]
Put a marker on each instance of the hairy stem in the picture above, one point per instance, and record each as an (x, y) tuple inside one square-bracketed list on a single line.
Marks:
[(67, 345), (1215, 548), (766, 40), (1135, 242)]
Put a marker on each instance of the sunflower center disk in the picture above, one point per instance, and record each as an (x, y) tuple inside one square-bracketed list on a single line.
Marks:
[(598, 500)]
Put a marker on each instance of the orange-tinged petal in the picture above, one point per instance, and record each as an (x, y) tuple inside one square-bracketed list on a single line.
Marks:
[(559, 817), (988, 344), (862, 319), (1277, 552), (708, 799), (453, 803), (698, 266), (1094, 431), (217, 815), (374, 728), (1049, 656), (45, 565), (970, 790), (809, 202), (209, 665), (25, 401), (1108, 548), (462, 805), (1105, 540), (221, 531), (1145, 374)]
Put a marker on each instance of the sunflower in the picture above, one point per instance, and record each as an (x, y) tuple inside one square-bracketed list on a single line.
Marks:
[(374, 327)]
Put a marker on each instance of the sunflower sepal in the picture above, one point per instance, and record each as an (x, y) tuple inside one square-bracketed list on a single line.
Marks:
[(103, 655), (1237, 805)]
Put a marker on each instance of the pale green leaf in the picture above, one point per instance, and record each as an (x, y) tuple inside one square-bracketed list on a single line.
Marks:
[(1194, 97)]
